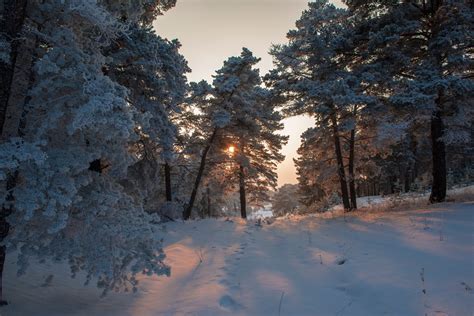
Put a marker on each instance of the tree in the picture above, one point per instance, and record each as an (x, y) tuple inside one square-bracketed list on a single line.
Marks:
[(61, 179), (236, 112), (252, 127), (426, 46), (316, 168), (315, 74), (154, 72), (286, 200), (15, 65)]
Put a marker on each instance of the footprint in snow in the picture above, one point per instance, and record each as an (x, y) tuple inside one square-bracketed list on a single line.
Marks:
[(467, 287), (340, 262), (228, 303), (224, 282), (48, 281)]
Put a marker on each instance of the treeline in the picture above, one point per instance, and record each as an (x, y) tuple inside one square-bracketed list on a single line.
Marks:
[(103, 138), (390, 86)]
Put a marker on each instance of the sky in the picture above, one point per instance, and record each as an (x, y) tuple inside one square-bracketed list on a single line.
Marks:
[(210, 31)]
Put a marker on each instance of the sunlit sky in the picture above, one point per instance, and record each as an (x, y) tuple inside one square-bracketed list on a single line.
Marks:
[(213, 30)]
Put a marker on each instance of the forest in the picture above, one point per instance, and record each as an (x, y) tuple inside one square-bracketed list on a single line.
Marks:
[(105, 143)]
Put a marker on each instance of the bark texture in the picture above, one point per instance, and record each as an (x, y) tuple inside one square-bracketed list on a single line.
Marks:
[(438, 188), (202, 165), (340, 163)]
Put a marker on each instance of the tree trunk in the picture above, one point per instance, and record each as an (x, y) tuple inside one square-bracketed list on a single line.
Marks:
[(189, 208), (5, 211), (438, 189), (407, 177), (243, 200), (169, 196), (15, 78), (352, 189), (2, 263), (14, 82), (208, 193), (351, 171), (4, 228), (11, 24), (20, 84), (242, 192), (340, 164)]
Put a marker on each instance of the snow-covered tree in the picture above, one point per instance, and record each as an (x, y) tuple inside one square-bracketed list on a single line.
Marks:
[(235, 112), (426, 48), (62, 178), (371, 75), (137, 11), (286, 200), (252, 127), (315, 75), (315, 168), (154, 73)]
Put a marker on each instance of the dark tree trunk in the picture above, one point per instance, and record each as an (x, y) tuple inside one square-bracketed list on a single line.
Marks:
[(351, 171), (352, 189), (202, 165), (340, 164), (11, 24), (243, 200), (4, 228), (5, 211), (209, 210), (17, 77), (2, 263), (407, 180), (169, 196), (438, 189)]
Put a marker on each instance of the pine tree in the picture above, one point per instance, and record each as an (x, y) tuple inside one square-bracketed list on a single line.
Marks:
[(426, 49), (154, 73), (237, 111), (286, 200), (315, 74), (253, 124), (61, 179)]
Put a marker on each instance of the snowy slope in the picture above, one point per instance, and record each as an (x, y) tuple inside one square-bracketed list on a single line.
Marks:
[(366, 264)]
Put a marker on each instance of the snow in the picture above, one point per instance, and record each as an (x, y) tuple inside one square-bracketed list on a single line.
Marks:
[(261, 213), (379, 202), (366, 263), (365, 201)]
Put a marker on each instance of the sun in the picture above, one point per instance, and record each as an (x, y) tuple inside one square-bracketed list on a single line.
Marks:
[(231, 149)]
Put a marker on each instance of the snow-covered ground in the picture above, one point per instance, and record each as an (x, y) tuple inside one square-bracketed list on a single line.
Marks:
[(262, 213), (397, 201), (375, 263)]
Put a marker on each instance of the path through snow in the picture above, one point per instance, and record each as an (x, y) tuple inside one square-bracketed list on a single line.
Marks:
[(370, 264)]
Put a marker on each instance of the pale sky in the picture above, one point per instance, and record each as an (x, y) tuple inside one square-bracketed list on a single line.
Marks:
[(210, 31)]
